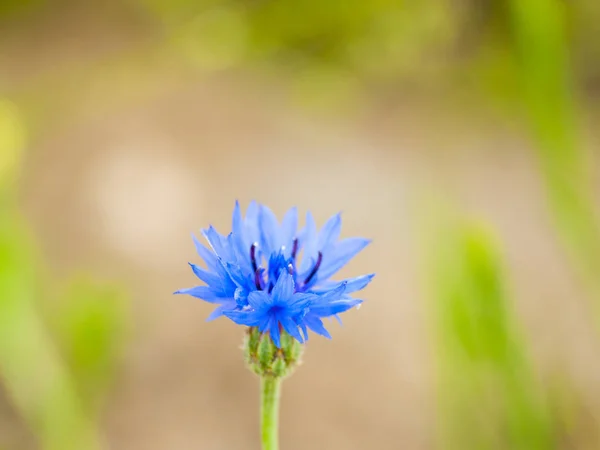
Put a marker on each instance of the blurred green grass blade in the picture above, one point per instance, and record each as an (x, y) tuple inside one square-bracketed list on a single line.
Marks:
[(489, 398), (89, 324), (37, 380), (45, 388), (541, 48)]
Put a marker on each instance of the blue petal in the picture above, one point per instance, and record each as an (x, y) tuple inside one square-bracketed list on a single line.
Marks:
[(240, 240), (284, 289), (289, 226), (208, 277), (302, 326), (330, 232), (209, 257), (330, 309), (229, 285), (274, 331), (336, 293), (269, 230), (351, 284), (238, 258), (265, 322), (203, 292), (237, 225), (301, 300), (219, 311), (248, 318), (239, 277), (358, 283), (260, 300), (218, 243), (316, 324), (292, 329), (309, 243), (251, 223), (339, 256)]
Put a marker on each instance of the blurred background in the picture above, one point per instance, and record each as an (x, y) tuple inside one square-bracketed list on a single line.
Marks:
[(460, 135)]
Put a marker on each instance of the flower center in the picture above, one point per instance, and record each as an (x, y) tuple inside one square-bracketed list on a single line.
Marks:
[(277, 262)]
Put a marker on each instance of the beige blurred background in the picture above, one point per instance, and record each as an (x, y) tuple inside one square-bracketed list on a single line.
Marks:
[(144, 122)]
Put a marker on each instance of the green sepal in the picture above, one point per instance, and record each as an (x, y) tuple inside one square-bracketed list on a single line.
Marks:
[(266, 350), (265, 359)]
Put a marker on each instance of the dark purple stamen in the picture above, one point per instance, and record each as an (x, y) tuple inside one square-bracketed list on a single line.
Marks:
[(258, 279), (253, 257), (295, 248), (314, 269)]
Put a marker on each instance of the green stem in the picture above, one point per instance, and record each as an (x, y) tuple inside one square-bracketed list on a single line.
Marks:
[(270, 388)]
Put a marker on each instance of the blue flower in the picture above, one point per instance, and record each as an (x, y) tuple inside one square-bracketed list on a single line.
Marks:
[(256, 277)]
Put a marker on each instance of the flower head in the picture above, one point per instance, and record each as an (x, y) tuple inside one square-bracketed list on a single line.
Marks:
[(256, 277)]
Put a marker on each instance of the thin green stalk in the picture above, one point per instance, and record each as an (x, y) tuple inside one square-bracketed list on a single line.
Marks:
[(270, 388)]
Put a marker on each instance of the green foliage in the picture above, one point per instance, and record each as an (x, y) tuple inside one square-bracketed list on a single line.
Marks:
[(548, 94), (55, 376), (489, 398), (89, 325), (376, 39), (38, 382)]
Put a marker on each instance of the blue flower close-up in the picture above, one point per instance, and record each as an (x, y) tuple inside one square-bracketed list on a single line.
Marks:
[(256, 276)]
